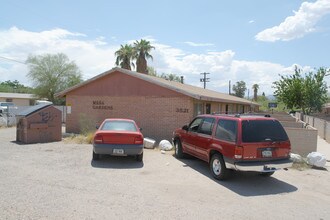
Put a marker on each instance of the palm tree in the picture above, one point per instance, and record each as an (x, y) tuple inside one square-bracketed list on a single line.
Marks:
[(142, 52), (124, 56), (255, 88)]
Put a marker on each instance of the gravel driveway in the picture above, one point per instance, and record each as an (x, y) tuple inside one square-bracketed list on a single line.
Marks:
[(59, 181)]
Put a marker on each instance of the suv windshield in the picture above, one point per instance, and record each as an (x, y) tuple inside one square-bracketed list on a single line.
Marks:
[(262, 130)]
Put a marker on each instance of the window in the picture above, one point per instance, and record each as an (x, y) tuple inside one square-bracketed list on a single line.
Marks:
[(195, 124), (226, 130), (207, 126), (118, 126), (263, 130), (9, 100), (208, 108), (198, 109)]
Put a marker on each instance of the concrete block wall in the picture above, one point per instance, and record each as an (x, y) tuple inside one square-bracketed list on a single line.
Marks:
[(322, 126), (327, 131), (283, 117), (292, 124), (303, 141), (319, 124)]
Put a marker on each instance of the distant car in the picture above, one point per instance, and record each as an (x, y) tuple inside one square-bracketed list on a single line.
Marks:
[(4, 106), (41, 102), (120, 137), (237, 142)]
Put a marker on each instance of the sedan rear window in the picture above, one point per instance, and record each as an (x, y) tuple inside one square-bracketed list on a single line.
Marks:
[(118, 126), (263, 130)]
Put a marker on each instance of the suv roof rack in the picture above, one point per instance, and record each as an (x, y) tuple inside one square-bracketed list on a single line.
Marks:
[(239, 115)]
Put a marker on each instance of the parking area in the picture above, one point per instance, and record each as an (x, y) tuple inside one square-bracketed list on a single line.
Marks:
[(60, 181)]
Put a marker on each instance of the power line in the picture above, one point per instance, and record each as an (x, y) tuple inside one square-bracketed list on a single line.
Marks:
[(17, 61)]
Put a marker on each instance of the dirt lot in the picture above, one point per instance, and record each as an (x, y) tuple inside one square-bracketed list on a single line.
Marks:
[(59, 181)]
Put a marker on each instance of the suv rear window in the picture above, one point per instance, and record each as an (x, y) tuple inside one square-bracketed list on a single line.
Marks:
[(263, 130)]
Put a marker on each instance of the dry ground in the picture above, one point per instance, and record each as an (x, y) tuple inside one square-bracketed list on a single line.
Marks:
[(59, 181)]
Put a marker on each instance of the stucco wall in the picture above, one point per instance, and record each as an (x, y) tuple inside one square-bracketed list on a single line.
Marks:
[(18, 102)]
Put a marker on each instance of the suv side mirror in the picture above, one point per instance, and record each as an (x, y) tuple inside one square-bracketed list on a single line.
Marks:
[(185, 127), (97, 127), (140, 129)]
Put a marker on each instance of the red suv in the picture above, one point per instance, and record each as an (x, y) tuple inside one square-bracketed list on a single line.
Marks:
[(237, 142)]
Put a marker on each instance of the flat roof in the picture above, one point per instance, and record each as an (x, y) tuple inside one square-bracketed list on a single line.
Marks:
[(16, 95), (185, 89)]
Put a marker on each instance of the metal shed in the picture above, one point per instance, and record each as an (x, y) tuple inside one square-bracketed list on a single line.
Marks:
[(39, 124)]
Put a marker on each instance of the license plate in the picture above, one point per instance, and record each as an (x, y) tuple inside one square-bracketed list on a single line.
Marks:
[(118, 151), (267, 153)]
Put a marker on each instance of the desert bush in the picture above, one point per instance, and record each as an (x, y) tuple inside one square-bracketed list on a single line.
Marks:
[(86, 124)]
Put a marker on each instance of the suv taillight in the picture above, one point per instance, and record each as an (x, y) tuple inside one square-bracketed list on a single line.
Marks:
[(98, 139), (238, 152)]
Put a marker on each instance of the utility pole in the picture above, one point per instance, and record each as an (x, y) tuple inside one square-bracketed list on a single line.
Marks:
[(204, 79), (229, 87)]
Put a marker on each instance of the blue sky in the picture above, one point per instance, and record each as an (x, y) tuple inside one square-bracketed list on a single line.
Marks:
[(253, 41)]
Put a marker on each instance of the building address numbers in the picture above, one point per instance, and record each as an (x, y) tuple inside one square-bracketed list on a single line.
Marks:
[(182, 110)]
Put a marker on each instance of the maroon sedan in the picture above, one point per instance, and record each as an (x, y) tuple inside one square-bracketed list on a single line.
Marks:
[(120, 137)]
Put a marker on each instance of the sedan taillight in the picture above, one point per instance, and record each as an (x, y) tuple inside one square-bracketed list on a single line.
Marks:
[(98, 139), (138, 140)]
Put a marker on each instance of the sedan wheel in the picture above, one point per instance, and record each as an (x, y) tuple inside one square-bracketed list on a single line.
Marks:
[(139, 158), (96, 156), (267, 174)]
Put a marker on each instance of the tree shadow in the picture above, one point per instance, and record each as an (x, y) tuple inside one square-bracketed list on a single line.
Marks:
[(243, 183), (116, 162)]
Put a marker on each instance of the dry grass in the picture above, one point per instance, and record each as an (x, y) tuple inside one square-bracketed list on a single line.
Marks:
[(79, 139), (301, 166)]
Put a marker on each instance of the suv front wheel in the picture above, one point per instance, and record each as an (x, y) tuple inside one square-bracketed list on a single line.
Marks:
[(178, 149), (218, 168)]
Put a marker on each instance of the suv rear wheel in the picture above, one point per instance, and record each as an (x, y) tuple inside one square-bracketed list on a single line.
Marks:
[(218, 168)]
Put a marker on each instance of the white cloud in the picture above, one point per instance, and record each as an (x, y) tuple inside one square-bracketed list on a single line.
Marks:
[(198, 44), (251, 21), (96, 56), (301, 23), (92, 56)]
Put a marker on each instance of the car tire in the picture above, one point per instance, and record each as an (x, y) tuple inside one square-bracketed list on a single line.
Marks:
[(266, 174), (139, 157), (218, 167), (96, 156), (178, 149)]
